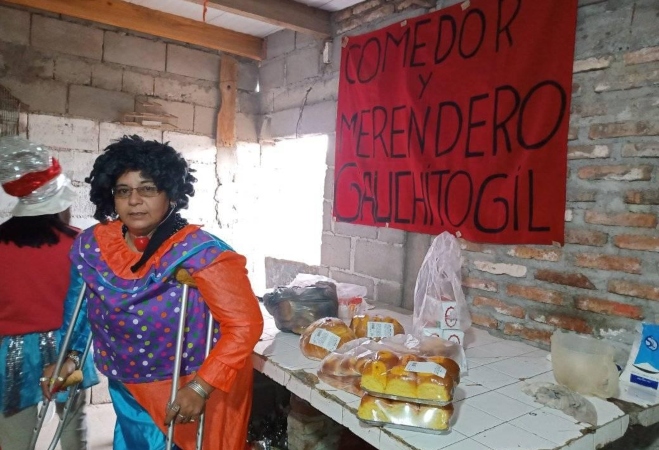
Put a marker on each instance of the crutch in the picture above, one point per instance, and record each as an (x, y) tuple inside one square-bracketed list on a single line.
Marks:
[(183, 277), (64, 345)]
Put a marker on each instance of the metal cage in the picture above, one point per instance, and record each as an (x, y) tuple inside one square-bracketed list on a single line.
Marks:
[(10, 108)]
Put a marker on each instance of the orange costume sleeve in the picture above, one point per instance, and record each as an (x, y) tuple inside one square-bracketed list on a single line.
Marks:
[(228, 293), (226, 289)]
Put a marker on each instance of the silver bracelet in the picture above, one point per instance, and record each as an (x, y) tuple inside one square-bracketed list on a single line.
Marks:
[(75, 358), (198, 388)]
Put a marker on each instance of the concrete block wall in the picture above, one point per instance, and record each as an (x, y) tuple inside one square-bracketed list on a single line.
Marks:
[(605, 279), (76, 143), (64, 66)]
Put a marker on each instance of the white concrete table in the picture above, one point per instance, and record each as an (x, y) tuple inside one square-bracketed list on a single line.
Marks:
[(491, 411)]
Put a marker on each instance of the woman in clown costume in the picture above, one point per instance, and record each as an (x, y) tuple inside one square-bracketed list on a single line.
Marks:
[(132, 301)]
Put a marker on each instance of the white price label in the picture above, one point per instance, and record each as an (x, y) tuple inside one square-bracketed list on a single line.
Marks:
[(325, 339), (379, 329), (426, 367)]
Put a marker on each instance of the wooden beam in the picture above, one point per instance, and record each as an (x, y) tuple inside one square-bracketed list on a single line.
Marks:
[(157, 23), (284, 13), (226, 117)]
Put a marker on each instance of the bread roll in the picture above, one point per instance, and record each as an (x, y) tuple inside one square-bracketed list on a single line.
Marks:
[(374, 376), (359, 325), (452, 368), (401, 383), (316, 343), (390, 359), (433, 387), (398, 413)]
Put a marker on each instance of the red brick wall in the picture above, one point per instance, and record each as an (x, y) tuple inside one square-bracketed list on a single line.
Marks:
[(606, 276)]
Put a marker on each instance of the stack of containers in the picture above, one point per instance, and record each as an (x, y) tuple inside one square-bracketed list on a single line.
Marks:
[(409, 391)]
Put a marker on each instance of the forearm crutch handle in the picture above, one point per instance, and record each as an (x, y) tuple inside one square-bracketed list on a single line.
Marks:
[(58, 366)]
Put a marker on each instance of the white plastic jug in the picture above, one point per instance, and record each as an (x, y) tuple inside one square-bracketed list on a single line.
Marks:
[(584, 364)]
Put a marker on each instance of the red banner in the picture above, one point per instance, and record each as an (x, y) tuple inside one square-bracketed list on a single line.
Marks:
[(457, 121)]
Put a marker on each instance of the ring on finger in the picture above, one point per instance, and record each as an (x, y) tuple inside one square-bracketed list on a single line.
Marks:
[(182, 417), (60, 379), (42, 379), (173, 407)]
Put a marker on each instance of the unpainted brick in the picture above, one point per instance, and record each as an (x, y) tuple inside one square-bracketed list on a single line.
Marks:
[(379, 260), (390, 293), (528, 333), (205, 120), (14, 26), (66, 37), (536, 294), (616, 173), (641, 150), (280, 43), (608, 262), (628, 81), (589, 109), (623, 129), (634, 289), (107, 77), (608, 307), (644, 55), (649, 197), (48, 96), (585, 237), (514, 270), (303, 64), (335, 251), (198, 93), (637, 242), (640, 220), (94, 103), (484, 320), (380, 13), (246, 128), (474, 247), (134, 51), (390, 235), (64, 132), (573, 133), (568, 279), (345, 277), (137, 83), (479, 283), (563, 321), (578, 195), (193, 63), (362, 7), (588, 64), (500, 306), (72, 70), (535, 253), (588, 151)]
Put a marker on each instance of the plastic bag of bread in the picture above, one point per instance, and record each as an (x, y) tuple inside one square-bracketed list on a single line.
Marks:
[(294, 308), (376, 326), (343, 367), (427, 380), (324, 336), (381, 411)]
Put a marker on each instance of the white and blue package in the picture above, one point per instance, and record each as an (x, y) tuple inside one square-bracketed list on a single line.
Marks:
[(643, 364)]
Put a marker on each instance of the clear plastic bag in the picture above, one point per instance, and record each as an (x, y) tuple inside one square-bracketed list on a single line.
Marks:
[(405, 415), (440, 308)]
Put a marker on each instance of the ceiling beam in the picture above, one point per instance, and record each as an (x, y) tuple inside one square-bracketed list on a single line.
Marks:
[(157, 23), (284, 13)]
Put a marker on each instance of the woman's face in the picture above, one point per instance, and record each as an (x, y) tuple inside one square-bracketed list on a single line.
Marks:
[(140, 213)]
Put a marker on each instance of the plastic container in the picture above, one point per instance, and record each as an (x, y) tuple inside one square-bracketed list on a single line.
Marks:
[(584, 364)]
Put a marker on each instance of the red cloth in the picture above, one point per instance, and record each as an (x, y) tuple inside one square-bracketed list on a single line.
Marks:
[(33, 284)]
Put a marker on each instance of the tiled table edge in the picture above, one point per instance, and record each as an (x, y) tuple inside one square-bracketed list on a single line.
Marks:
[(304, 383)]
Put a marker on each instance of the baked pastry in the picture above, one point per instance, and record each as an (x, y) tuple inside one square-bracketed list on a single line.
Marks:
[(374, 376), (359, 325), (380, 410), (433, 387), (390, 359), (323, 336), (401, 382), (452, 368), (409, 358)]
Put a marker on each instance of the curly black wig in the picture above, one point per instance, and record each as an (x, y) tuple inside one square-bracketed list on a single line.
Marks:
[(155, 160)]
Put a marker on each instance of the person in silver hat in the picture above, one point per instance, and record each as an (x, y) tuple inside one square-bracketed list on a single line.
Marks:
[(34, 278)]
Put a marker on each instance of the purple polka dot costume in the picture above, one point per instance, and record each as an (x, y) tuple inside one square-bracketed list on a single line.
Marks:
[(134, 321)]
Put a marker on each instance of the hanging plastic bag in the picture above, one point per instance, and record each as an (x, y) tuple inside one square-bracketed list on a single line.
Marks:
[(440, 308)]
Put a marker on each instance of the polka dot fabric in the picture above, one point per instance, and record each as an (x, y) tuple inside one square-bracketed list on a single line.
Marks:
[(134, 322)]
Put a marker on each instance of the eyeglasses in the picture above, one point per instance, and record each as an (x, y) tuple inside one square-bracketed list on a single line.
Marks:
[(149, 190)]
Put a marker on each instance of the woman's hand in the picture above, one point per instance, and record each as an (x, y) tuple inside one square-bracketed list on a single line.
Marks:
[(50, 384), (188, 404)]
